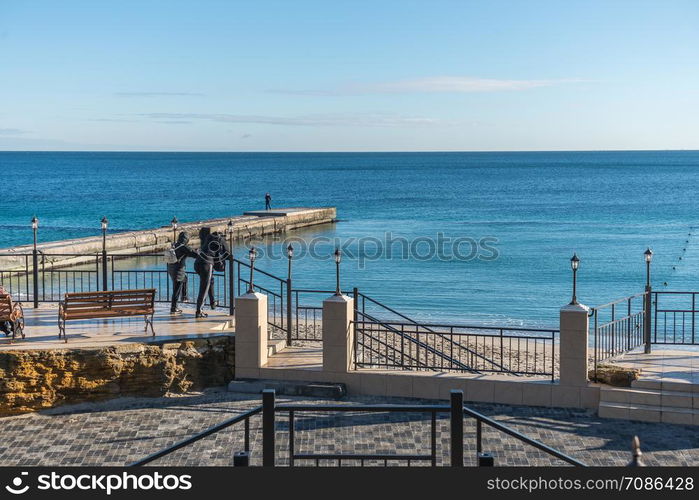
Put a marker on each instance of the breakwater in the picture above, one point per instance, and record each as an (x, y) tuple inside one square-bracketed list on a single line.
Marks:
[(250, 225)]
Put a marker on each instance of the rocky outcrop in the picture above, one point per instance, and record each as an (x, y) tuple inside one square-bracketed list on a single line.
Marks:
[(617, 376), (35, 379)]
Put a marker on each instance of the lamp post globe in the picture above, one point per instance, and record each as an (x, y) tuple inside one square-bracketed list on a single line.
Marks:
[(648, 256)]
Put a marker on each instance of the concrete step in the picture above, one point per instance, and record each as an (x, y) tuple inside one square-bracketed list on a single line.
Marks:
[(275, 346), (649, 413), (289, 388), (654, 397), (665, 384)]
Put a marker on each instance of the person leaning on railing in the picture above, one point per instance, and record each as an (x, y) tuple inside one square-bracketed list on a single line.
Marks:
[(178, 271)]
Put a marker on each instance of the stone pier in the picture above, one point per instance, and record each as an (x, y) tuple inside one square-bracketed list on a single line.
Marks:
[(253, 224)]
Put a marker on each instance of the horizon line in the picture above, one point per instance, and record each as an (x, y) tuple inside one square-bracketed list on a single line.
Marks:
[(346, 151)]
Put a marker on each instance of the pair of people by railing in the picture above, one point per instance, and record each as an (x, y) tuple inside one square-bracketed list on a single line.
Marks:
[(210, 257)]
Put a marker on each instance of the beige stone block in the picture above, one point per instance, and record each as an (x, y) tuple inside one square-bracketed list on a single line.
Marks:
[(447, 384), (243, 372), (589, 397), (426, 387), (614, 395), (481, 390), (645, 415), (677, 417), (399, 385), (336, 359), (677, 400), (510, 393), (613, 411), (565, 396), (536, 394), (373, 384)]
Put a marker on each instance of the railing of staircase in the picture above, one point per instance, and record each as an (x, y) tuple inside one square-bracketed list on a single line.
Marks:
[(618, 327), (305, 418), (675, 318), (439, 345)]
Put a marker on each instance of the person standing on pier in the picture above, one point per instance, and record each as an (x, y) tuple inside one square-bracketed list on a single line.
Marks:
[(177, 269), (268, 201)]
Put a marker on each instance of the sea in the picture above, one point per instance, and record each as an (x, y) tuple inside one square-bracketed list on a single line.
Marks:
[(468, 238)]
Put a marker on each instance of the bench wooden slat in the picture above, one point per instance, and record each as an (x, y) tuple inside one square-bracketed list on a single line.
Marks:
[(107, 304)]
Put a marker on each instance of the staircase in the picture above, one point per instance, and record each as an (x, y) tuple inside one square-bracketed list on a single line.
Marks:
[(652, 400)]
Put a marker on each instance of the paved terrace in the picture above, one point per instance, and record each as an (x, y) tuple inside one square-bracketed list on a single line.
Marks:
[(675, 364), (42, 329), (121, 431)]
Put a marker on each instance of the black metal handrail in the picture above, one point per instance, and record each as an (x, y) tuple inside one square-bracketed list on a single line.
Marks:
[(456, 409), (666, 327), (364, 298), (243, 417), (435, 348), (612, 334)]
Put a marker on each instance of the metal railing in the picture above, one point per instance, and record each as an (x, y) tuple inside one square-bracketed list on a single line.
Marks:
[(675, 318), (618, 327), (457, 412), (441, 347)]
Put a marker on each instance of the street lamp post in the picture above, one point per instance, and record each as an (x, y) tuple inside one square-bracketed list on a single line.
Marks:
[(289, 256), (173, 224), (648, 256), (251, 256), (231, 277), (338, 257), (35, 262), (574, 264), (105, 223)]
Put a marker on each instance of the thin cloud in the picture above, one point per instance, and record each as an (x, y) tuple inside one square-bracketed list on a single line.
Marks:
[(12, 131), (439, 84), (369, 120), (158, 94)]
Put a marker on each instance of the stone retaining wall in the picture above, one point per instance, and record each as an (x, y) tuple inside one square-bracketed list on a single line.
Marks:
[(35, 379)]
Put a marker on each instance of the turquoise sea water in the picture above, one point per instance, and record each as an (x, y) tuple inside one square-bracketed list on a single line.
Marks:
[(535, 208)]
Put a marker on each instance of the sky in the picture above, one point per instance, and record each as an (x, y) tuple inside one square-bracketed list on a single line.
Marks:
[(356, 75)]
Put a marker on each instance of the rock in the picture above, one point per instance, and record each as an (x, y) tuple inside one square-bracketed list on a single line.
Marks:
[(614, 375), (36, 379)]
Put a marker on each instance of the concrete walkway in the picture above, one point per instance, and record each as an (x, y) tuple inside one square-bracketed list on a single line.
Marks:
[(121, 431), (42, 329)]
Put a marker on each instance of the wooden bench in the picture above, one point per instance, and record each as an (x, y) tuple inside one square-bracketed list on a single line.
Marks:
[(110, 304), (12, 312)]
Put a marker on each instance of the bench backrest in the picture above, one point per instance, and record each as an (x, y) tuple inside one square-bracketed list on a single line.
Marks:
[(5, 306), (115, 300)]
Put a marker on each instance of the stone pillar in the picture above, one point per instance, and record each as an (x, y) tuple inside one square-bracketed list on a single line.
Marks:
[(574, 324), (338, 334), (250, 334)]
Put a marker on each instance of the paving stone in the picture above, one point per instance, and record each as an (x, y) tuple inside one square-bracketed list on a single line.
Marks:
[(121, 431)]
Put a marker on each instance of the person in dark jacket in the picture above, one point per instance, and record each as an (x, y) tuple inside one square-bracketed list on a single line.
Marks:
[(212, 257), (268, 201), (178, 271)]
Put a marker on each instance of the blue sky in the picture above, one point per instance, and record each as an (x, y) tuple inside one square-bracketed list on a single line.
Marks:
[(349, 75)]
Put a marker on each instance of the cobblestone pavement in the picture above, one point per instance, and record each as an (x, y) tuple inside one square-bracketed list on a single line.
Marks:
[(124, 430)]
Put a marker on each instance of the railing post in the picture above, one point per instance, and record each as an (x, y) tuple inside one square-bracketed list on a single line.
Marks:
[(231, 284), (288, 311), (35, 275), (268, 425), (338, 334), (646, 319), (457, 428), (105, 283), (573, 345)]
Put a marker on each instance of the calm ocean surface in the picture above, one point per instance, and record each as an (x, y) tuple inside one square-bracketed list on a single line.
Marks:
[(537, 207)]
